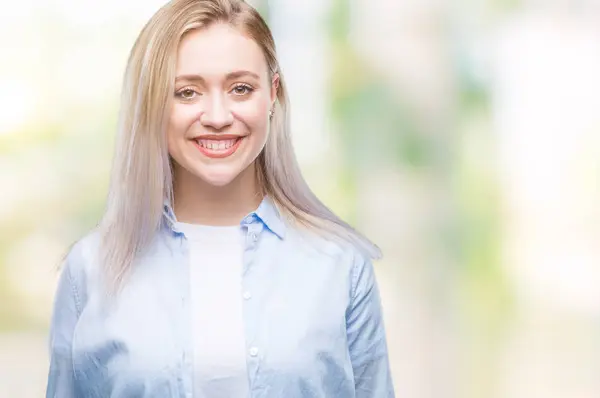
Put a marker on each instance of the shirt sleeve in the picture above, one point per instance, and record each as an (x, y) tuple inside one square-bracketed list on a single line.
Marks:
[(66, 310), (366, 336)]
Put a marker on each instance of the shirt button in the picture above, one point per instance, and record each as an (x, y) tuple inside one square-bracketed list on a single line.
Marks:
[(254, 237), (253, 351), (247, 296)]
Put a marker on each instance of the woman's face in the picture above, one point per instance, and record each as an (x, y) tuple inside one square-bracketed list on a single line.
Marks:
[(219, 121)]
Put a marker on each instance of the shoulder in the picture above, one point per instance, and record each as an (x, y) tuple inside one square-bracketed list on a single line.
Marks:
[(80, 263), (82, 254), (71, 292), (337, 251)]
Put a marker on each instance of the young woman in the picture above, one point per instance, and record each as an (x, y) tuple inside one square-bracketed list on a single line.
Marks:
[(215, 271)]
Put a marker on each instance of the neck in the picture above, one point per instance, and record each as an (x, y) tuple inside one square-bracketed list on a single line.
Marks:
[(197, 202)]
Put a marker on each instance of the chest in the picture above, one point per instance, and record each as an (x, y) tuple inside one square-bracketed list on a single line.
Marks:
[(292, 320)]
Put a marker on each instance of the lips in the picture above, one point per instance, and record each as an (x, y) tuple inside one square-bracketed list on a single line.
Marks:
[(216, 145), (219, 146)]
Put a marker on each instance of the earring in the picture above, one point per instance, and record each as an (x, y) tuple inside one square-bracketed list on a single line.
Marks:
[(271, 112)]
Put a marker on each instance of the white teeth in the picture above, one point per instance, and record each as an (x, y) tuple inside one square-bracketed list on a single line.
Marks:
[(218, 145)]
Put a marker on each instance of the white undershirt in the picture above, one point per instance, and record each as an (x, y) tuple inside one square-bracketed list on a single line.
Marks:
[(218, 329)]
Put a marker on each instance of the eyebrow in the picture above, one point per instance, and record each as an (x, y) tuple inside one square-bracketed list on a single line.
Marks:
[(229, 76)]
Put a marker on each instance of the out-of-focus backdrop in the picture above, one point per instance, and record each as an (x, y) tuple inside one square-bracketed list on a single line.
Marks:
[(462, 136)]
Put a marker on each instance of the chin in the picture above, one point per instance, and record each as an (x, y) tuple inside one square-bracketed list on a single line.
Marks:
[(217, 179), (218, 182)]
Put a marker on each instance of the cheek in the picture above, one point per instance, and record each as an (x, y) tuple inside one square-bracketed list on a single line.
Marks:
[(179, 123), (254, 115), (180, 120), (176, 130)]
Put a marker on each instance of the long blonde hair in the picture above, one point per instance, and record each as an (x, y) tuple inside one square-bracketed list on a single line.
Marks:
[(141, 177)]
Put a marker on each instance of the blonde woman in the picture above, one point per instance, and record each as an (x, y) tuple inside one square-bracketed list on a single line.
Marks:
[(215, 271)]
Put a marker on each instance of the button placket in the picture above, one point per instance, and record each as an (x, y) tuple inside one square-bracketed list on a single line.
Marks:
[(249, 295), (184, 332), (253, 234)]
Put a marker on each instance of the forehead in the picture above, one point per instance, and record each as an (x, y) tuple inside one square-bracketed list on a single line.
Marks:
[(217, 50)]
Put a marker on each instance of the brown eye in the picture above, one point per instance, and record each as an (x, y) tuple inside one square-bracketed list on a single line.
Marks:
[(242, 89), (186, 94)]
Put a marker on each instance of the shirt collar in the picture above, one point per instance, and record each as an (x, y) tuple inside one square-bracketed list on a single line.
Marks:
[(266, 213)]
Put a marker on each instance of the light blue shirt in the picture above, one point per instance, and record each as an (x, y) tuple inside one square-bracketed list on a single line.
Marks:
[(311, 308)]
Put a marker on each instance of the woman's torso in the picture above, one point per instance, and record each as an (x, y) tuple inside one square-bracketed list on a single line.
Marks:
[(295, 292)]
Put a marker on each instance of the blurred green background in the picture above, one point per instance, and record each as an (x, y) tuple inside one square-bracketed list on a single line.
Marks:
[(461, 136)]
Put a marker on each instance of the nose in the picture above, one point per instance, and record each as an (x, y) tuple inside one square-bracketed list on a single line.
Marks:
[(216, 113)]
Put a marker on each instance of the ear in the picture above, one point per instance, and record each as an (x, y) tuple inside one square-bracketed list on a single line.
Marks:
[(274, 88)]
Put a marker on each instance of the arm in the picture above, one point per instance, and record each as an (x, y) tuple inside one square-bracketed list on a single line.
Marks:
[(65, 314), (366, 336)]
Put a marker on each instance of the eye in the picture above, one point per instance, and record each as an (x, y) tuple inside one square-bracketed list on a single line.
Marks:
[(242, 89), (186, 94)]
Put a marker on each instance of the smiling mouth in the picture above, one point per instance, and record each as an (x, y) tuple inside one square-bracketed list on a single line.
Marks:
[(218, 148)]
